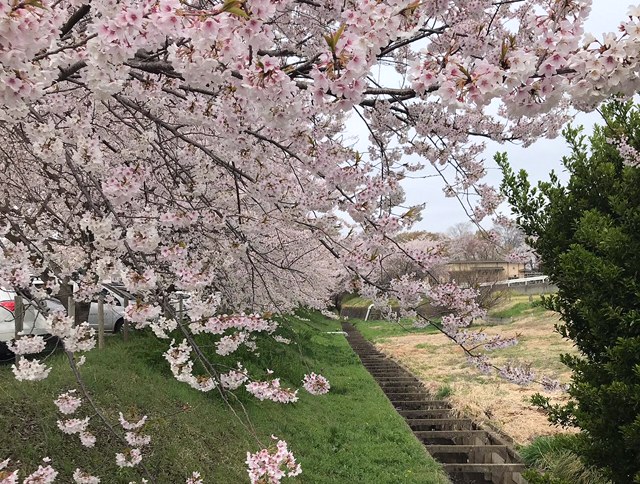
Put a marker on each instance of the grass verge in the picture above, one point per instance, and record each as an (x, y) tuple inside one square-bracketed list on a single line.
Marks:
[(380, 331), (351, 435), (517, 307), (555, 460)]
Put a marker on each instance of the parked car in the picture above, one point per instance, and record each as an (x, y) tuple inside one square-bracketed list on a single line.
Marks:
[(119, 292), (113, 311), (33, 321), (113, 308)]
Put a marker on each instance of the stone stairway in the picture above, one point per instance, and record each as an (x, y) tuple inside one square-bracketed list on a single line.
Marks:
[(469, 453)]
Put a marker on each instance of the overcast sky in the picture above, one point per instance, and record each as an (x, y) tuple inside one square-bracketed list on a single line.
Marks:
[(539, 159)]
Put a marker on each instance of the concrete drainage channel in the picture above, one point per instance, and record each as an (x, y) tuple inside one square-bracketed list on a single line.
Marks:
[(470, 453)]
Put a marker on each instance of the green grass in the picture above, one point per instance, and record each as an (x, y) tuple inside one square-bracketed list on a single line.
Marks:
[(555, 460), (546, 445), (355, 301), (518, 309), (445, 391), (351, 435), (378, 331)]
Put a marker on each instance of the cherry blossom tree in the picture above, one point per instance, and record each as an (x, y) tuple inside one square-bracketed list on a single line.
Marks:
[(199, 146)]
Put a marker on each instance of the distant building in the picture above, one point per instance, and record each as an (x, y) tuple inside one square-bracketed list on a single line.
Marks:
[(478, 271)]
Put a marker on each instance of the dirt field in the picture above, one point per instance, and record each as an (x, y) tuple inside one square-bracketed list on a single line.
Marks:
[(443, 367)]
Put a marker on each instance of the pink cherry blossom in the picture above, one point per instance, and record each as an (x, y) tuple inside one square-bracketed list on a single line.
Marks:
[(8, 477), (43, 475), (272, 390), (130, 458), (272, 465), (68, 403), (316, 384), (137, 440), (30, 370), (131, 425), (195, 478), (202, 148), (27, 344), (73, 425), (81, 477), (87, 439), (234, 379)]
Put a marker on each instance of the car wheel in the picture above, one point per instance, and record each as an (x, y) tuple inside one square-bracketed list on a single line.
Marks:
[(5, 354), (118, 326)]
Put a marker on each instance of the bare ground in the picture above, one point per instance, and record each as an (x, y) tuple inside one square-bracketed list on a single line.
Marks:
[(489, 398)]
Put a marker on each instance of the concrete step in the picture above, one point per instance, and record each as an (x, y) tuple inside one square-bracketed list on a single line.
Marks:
[(440, 423), (419, 404), (407, 396), (489, 473), (427, 413), (466, 454), (454, 437)]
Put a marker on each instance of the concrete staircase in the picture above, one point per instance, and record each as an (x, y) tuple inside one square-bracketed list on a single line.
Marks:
[(470, 453)]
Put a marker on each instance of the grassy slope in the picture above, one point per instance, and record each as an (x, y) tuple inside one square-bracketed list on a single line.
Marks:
[(379, 331), (351, 435), (359, 302), (518, 306)]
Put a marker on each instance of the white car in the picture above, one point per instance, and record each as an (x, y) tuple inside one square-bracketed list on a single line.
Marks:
[(113, 311), (34, 319)]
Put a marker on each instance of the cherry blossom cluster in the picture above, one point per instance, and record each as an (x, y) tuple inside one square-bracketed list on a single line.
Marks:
[(251, 323), (76, 338), (139, 283), (551, 385), (67, 404), (461, 301), (243, 325), (27, 344), (234, 379), (272, 465), (131, 457), (142, 313), (282, 339), (30, 370), (43, 475), (272, 390), (161, 326), (316, 384), (480, 339), (522, 254), (195, 478), (481, 362), (629, 154), (82, 477), (517, 374), (179, 358)]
